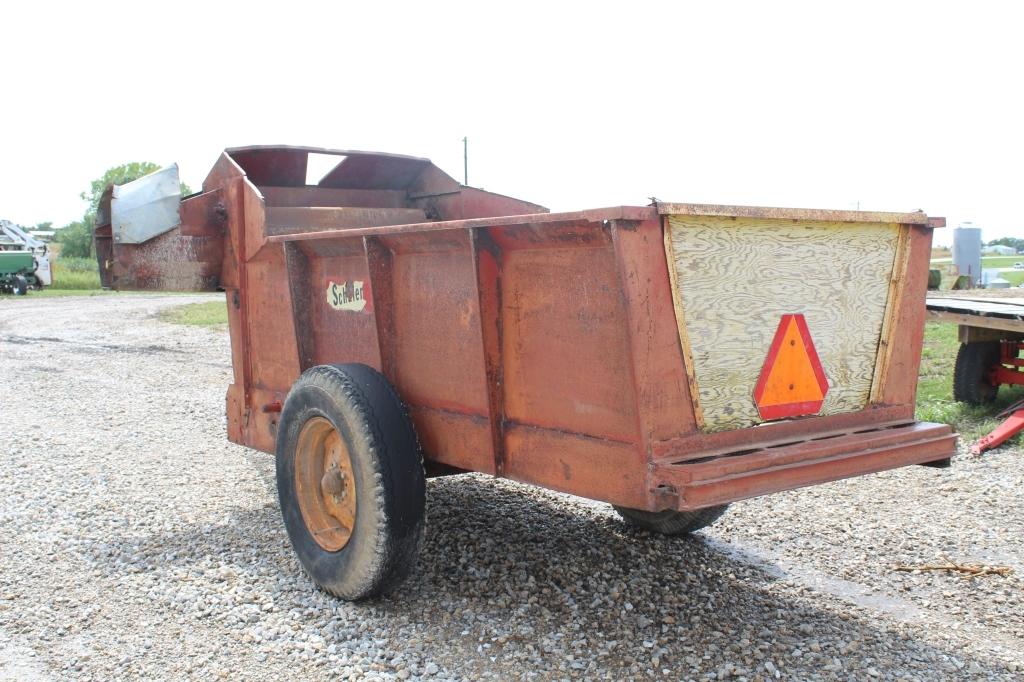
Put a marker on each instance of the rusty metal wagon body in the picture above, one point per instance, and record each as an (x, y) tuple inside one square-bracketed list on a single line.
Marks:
[(625, 354)]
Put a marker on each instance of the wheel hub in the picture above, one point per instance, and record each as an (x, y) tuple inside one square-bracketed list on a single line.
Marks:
[(333, 483), (325, 484)]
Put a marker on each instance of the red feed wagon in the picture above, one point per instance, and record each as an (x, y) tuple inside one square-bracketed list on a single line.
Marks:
[(668, 359)]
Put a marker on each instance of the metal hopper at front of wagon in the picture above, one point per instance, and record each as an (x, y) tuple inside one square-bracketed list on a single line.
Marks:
[(668, 359)]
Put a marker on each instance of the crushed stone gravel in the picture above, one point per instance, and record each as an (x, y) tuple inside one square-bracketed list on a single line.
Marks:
[(136, 542)]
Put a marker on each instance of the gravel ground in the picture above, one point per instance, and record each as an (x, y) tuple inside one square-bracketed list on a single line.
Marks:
[(136, 542)]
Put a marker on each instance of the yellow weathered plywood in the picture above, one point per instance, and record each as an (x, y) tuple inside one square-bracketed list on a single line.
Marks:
[(734, 278)]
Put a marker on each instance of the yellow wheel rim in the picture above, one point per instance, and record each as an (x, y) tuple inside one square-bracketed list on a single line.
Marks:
[(325, 484)]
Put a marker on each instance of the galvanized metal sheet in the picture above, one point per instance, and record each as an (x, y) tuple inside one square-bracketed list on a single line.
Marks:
[(147, 207)]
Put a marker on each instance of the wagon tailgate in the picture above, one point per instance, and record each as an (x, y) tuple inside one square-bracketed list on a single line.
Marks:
[(741, 286)]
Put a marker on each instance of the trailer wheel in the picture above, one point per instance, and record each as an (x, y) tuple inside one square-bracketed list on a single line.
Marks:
[(671, 522), (970, 375), (20, 285), (350, 480)]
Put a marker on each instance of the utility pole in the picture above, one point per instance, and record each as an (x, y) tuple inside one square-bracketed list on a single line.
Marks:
[(465, 161)]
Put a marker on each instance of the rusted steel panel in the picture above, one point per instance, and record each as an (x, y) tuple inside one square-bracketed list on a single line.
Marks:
[(254, 218), (374, 171), (489, 265), (298, 267), (439, 359), (280, 167), (458, 440), (699, 444), (332, 197), (469, 202), (268, 301), (572, 463), (168, 262), (663, 401), (815, 462), (379, 268), (341, 334), (566, 341), (204, 215), (540, 221), (291, 219)]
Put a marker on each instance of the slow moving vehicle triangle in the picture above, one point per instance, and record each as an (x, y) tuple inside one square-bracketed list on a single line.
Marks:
[(792, 381)]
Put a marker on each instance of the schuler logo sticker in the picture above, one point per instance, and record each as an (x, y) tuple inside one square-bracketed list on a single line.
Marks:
[(353, 296)]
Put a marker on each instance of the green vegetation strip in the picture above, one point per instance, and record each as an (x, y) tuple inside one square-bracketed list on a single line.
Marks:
[(935, 387), (75, 273), (211, 314)]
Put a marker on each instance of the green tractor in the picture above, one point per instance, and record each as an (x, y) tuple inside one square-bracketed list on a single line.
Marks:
[(17, 272)]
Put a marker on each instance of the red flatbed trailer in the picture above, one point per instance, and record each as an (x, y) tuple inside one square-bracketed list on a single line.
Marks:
[(991, 332), (668, 359)]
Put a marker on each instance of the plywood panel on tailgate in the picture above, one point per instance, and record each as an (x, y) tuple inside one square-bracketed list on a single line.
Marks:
[(733, 280)]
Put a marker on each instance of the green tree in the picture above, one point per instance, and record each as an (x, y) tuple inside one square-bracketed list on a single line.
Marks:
[(75, 238), (48, 225), (119, 175), (1015, 242)]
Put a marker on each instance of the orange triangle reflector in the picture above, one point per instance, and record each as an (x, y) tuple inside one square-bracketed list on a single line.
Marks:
[(792, 382)]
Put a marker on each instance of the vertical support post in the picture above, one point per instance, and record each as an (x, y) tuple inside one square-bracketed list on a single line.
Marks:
[(241, 295), (487, 258), (379, 267), (664, 407), (887, 338), (898, 386), (465, 161), (297, 266)]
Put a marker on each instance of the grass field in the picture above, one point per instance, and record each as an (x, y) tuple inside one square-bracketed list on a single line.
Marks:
[(1001, 261), (986, 261), (211, 314), (53, 292), (1014, 277), (75, 274), (935, 387)]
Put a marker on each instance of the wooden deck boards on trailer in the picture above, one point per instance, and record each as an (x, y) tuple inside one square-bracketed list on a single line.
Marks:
[(1006, 314), (989, 307)]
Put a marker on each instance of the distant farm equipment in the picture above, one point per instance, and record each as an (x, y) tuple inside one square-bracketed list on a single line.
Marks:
[(991, 343), (15, 269), (24, 261)]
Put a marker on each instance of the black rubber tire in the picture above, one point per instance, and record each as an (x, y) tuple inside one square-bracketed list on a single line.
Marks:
[(387, 467), (671, 522), (20, 285), (973, 362)]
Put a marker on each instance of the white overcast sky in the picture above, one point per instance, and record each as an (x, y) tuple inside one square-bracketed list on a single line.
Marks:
[(897, 106)]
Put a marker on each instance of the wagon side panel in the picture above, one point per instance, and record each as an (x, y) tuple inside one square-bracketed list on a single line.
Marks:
[(437, 348), (570, 414), (342, 305)]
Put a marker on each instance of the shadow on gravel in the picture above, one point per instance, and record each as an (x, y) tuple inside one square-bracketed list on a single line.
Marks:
[(513, 578)]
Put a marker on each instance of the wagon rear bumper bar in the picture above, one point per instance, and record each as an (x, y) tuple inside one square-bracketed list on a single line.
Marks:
[(758, 470)]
